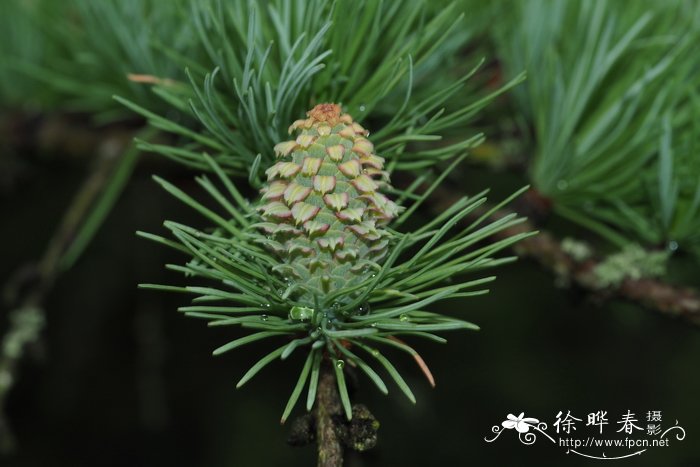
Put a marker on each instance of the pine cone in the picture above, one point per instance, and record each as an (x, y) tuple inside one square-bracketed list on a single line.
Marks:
[(322, 208)]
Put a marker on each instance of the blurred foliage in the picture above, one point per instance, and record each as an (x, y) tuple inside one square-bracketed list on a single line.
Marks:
[(612, 105), (74, 55), (19, 45)]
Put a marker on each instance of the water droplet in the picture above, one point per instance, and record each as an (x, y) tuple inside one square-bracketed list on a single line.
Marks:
[(363, 309), (403, 317), (264, 317), (375, 352), (672, 245), (562, 184), (340, 364), (301, 313), (362, 108)]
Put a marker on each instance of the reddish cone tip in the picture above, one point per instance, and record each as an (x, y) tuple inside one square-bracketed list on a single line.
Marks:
[(325, 113)]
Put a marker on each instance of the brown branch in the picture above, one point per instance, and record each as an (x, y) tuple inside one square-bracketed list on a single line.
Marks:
[(547, 250), (328, 406)]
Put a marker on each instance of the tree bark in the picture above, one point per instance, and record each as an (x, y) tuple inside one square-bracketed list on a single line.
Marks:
[(330, 448)]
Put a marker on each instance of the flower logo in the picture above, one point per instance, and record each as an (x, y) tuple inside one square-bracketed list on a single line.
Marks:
[(521, 424)]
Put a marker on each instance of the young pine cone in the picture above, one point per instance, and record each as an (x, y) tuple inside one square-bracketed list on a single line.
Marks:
[(322, 208)]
